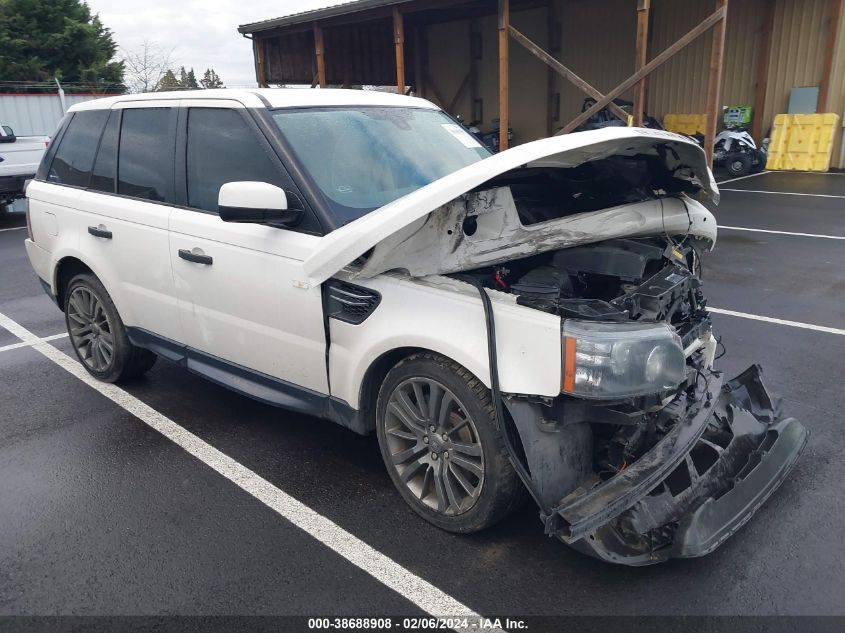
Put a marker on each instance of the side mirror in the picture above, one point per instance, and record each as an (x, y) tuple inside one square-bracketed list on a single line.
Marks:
[(258, 203), (7, 134)]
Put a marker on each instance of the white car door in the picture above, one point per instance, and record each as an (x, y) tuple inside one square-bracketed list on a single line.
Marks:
[(246, 321)]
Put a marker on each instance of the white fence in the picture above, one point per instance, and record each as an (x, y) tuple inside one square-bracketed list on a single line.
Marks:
[(39, 114)]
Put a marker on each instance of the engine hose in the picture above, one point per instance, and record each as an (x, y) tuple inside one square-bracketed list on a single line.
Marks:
[(498, 403)]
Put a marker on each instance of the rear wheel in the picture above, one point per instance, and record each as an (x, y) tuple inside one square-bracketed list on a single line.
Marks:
[(98, 335), (441, 445)]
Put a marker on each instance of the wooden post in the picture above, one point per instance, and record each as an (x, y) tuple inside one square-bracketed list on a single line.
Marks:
[(551, 79), (762, 71), (643, 12), (421, 60), (260, 63), (714, 83), (829, 46), (399, 41), (320, 55), (504, 23), (475, 54)]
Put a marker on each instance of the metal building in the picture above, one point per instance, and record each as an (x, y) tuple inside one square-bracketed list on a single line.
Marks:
[(483, 59), (37, 114)]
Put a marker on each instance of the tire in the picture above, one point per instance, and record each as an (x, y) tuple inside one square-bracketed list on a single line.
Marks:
[(760, 165), (93, 325), (738, 164), (438, 488)]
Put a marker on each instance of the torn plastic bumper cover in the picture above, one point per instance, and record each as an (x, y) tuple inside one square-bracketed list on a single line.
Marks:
[(727, 453)]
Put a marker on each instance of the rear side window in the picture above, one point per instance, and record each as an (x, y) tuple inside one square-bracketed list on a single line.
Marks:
[(222, 148), (75, 155), (146, 157), (105, 165)]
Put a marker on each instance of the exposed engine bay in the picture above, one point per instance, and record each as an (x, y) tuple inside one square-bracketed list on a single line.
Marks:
[(643, 478), (649, 279)]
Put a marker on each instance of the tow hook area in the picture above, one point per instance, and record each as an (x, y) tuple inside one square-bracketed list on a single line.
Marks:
[(725, 455)]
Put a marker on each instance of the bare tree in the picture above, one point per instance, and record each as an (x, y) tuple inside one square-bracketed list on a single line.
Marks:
[(145, 66)]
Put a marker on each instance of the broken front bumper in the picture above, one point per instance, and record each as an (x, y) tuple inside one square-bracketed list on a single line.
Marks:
[(728, 452)]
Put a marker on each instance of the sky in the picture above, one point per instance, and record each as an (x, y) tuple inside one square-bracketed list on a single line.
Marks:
[(201, 33)]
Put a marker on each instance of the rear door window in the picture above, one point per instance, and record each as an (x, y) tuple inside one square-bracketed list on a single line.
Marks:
[(145, 161), (75, 155), (105, 165)]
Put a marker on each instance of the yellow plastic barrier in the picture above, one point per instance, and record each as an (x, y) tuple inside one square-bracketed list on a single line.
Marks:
[(802, 142), (685, 123)]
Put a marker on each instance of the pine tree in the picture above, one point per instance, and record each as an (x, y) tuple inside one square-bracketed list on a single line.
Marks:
[(169, 82), (43, 39), (211, 80), (191, 81)]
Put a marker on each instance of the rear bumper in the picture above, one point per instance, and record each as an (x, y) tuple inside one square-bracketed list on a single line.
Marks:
[(695, 488)]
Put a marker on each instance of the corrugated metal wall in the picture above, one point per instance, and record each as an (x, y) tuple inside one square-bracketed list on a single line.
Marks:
[(796, 55), (597, 43), (35, 114), (681, 84)]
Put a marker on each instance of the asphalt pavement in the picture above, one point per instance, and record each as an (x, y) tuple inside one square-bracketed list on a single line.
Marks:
[(102, 514)]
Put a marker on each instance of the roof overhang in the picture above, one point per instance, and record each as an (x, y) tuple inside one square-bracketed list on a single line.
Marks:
[(303, 17)]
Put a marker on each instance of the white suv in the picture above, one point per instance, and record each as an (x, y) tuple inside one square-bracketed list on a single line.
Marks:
[(530, 321)]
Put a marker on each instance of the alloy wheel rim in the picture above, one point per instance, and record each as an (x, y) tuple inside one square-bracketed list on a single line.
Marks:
[(90, 330), (434, 446)]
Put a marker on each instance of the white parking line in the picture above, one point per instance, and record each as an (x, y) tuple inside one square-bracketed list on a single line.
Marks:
[(724, 182), (384, 569), (741, 228), (798, 324), (53, 337), (784, 193), (14, 228)]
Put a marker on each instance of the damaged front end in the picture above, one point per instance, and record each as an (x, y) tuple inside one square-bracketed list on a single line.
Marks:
[(646, 453), (714, 455)]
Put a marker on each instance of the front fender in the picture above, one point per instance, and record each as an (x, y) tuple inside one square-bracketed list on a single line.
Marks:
[(445, 316)]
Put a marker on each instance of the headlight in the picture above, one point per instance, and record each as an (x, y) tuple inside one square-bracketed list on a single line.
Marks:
[(617, 360)]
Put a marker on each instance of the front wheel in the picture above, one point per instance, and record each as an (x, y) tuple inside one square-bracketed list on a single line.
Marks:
[(739, 164), (442, 447), (98, 335)]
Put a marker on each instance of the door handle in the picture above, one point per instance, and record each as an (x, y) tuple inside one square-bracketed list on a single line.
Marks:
[(96, 231), (190, 256)]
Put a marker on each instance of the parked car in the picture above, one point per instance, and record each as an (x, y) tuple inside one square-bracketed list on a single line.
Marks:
[(19, 158), (531, 321)]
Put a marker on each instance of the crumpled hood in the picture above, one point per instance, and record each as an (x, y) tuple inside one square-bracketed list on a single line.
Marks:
[(404, 216)]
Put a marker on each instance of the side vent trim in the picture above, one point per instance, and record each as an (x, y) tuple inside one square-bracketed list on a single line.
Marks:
[(350, 303)]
